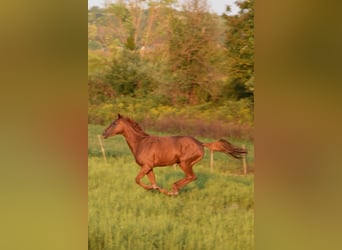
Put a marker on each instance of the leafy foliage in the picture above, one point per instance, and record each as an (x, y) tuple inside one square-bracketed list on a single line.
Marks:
[(240, 44), (231, 119), (193, 54), (149, 60)]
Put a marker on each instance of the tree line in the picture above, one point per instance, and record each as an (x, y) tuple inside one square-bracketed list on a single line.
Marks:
[(173, 54)]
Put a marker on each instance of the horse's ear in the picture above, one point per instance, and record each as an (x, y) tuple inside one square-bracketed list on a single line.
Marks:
[(119, 116)]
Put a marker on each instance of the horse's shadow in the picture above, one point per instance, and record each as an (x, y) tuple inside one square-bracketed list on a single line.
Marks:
[(199, 183)]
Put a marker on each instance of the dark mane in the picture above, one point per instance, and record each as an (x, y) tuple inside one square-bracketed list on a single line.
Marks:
[(136, 126)]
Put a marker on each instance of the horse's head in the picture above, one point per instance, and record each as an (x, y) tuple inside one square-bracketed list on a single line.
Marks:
[(116, 127)]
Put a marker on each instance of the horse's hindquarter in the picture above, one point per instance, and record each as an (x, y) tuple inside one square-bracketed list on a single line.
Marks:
[(168, 150)]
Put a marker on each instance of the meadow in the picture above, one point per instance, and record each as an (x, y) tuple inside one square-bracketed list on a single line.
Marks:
[(214, 212)]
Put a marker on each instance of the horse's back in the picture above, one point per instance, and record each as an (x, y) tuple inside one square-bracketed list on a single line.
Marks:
[(180, 143), (188, 143)]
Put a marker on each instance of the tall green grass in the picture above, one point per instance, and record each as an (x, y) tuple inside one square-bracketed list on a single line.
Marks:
[(214, 212)]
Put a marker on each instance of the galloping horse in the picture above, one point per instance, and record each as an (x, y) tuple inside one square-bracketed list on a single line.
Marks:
[(156, 151)]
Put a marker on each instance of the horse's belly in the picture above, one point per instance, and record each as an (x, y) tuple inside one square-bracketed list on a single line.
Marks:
[(158, 159), (165, 160)]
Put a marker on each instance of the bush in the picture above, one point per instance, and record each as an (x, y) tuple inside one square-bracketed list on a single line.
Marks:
[(232, 119)]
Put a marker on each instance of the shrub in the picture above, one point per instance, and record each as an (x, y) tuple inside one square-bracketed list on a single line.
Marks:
[(232, 119)]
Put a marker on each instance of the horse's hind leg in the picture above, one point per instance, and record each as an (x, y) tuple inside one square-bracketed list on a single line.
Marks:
[(189, 177)]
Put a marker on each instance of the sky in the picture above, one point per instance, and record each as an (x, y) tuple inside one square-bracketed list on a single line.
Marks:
[(218, 6)]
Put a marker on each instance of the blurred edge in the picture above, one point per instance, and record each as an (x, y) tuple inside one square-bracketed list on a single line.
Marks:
[(298, 125), (43, 125)]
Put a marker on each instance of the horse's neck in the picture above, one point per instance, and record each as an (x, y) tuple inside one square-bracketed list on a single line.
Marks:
[(132, 139)]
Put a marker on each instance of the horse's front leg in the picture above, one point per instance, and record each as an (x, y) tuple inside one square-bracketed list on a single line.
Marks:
[(143, 171), (152, 179)]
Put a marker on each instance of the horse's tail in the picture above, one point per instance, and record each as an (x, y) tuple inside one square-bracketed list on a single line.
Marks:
[(226, 147)]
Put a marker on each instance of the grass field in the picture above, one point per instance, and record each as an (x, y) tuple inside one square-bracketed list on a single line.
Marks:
[(214, 212)]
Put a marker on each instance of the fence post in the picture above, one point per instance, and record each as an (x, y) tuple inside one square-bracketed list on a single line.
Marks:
[(244, 161), (102, 148), (211, 160)]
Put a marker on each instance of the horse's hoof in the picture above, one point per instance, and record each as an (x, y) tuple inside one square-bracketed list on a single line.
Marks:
[(173, 193)]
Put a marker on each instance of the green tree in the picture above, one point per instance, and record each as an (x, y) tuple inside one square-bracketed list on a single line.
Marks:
[(240, 47), (193, 52), (123, 76), (129, 76), (139, 28)]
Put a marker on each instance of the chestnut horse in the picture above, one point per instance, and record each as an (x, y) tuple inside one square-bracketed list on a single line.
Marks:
[(155, 151)]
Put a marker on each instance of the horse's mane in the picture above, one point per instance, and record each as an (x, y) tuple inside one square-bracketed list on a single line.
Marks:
[(135, 126)]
